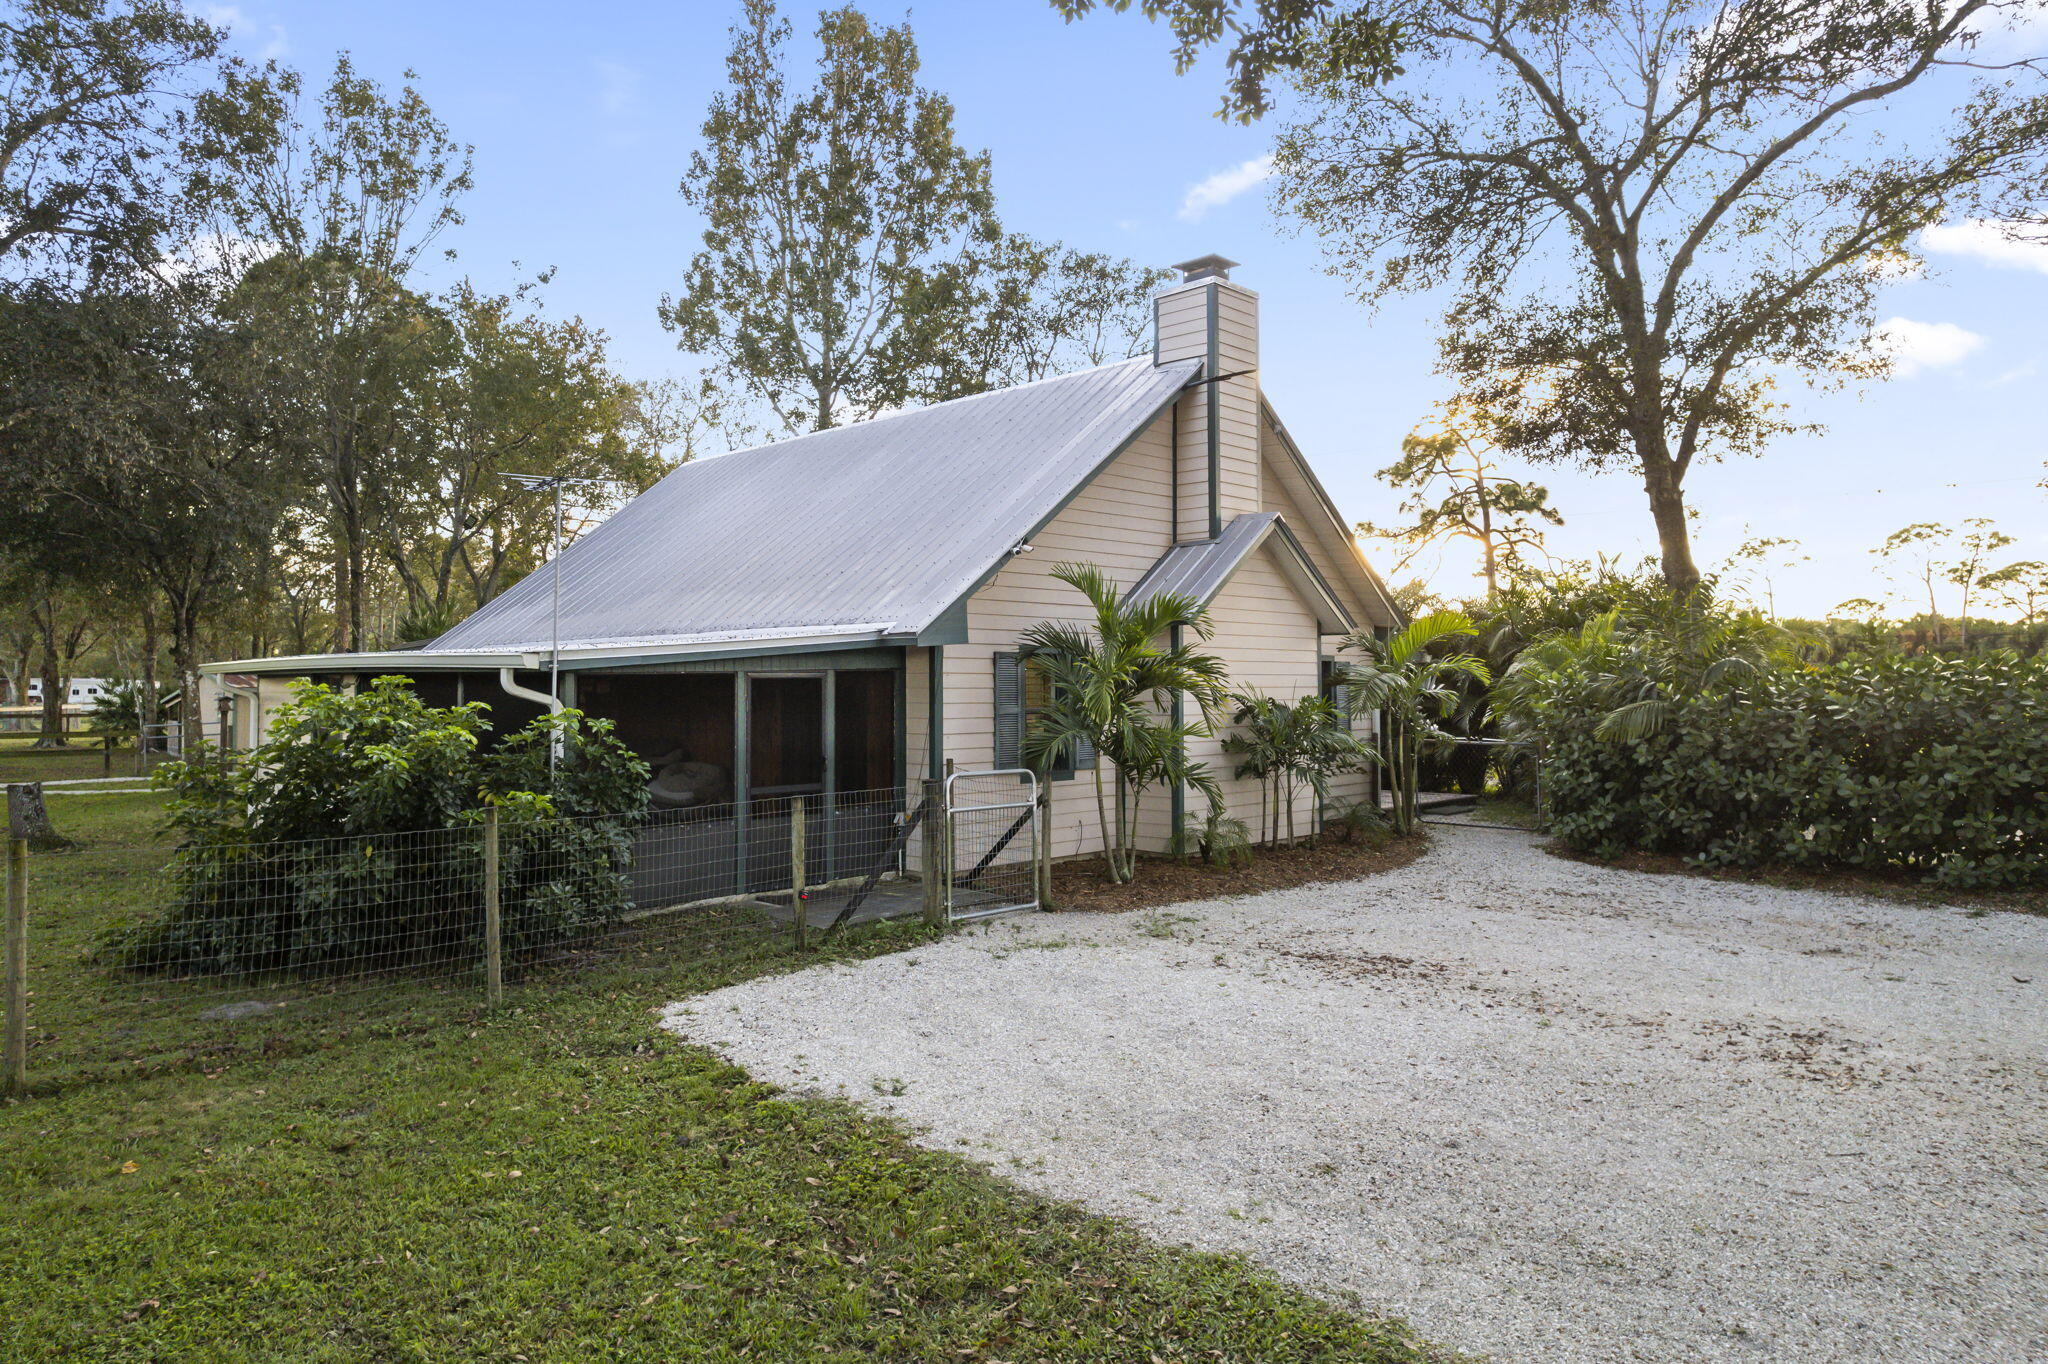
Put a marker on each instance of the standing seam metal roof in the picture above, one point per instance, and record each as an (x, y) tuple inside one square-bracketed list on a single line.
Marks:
[(883, 524), (1201, 568)]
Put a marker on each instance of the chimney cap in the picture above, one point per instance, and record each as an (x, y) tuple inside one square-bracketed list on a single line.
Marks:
[(1205, 267)]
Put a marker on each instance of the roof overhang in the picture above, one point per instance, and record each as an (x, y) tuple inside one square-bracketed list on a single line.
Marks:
[(1200, 570), (574, 657), (1329, 505)]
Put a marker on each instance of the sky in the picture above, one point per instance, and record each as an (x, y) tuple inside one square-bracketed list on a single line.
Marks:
[(583, 120)]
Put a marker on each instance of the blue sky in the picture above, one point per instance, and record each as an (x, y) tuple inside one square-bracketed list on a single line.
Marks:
[(583, 121)]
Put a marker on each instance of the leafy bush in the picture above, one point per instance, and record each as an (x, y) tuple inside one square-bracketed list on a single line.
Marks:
[(1932, 766), (351, 839), (1358, 821)]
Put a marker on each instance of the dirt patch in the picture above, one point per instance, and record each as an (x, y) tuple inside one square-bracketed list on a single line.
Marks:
[(1354, 965), (1081, 885), (1899, 889)]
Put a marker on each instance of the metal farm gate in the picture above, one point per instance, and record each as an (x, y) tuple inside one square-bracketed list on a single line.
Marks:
[(994, 834)]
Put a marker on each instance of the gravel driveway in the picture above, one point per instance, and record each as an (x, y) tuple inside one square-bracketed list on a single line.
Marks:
[(1544, 1111)]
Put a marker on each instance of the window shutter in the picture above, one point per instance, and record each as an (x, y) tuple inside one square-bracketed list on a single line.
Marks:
[(1009, 711), (1084, 757)]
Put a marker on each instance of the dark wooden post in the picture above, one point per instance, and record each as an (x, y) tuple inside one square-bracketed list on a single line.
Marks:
[(16, 1047), (937, 837)]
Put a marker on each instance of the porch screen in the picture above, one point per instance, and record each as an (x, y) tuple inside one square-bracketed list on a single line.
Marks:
[(1022, 693)]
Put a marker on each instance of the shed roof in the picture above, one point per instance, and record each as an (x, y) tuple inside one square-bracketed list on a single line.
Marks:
[(873, 529)]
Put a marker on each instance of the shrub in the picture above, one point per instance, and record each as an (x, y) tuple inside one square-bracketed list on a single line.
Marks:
[(350, 839), (1932, 766)]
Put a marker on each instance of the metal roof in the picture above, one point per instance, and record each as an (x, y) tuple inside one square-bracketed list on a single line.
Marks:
[(1201, 568), (874, 528)]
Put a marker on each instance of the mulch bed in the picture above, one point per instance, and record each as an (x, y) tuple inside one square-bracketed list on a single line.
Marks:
[(1081, 885), (1901, 889)]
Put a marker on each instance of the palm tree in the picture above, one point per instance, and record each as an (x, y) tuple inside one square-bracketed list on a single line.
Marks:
[(1109, 688), (1285, 744), (1416, 688), (1626, 669)]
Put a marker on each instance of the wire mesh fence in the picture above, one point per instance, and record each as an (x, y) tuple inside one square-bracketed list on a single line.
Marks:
[(993, 830), (138, 951)]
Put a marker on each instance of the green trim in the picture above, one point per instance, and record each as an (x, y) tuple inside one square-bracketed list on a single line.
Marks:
[(948, 627), (1210, 369), (1315, 484), (935, 712), (742, 779), (1065, 501), (1315, 574), (903, 721), (1178, 840)]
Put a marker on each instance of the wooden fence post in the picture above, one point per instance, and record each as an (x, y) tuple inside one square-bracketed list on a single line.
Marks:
[(494, 927), (16, 1049), (796, 874), (937, 838)]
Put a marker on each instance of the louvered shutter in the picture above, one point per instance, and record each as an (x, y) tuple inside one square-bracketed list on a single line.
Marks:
[(1009, 710)]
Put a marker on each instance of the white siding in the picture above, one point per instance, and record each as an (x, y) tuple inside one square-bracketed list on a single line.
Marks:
[(1121, 522), (1183, 319), (1266, 634)]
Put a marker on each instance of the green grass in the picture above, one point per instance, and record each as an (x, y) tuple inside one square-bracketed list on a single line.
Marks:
[(406, 1176), (81, 756)]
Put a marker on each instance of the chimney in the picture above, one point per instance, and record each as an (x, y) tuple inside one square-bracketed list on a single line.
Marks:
[(1216, 422)]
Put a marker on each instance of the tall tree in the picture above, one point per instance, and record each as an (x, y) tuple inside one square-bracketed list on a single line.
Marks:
[(1650, 211), (826, 211), (2021, 587), (1457, 492), (140, 449), (1980, 539), (331, 221), (108, 110), (1021, 310), (1269, 40), (512, 392)]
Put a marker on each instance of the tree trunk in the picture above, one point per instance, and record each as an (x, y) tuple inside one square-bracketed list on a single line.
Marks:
[(145, 698), (1102, 823), (1661, 480), (28, 817)]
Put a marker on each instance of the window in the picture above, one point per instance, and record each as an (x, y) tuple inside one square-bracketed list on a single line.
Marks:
[(1330, 683), (1022, 694)]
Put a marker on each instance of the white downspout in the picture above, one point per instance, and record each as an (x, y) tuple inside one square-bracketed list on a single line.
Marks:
[(553, 703)]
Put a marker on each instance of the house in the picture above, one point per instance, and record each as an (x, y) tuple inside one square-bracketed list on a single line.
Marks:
[(839, 612)]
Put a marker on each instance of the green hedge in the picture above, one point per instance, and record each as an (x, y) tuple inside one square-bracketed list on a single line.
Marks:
[(351, 840), (1935, 767)]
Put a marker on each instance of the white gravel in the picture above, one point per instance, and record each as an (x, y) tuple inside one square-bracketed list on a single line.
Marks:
[(1542, 1110)]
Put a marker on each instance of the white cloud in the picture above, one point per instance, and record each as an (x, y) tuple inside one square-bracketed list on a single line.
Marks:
[(1918, 346), (230, 17), (2012, 246), (1225, 185), (617, 86)]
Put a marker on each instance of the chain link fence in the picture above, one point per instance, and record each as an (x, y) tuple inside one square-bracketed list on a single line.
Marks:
[(123, 955)]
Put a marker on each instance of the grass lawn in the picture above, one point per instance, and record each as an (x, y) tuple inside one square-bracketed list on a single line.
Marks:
[(405, 1176), (81, 756)]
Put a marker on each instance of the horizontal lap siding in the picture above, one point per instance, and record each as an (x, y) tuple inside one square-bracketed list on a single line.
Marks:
[(1266, 635), (1121, 523)]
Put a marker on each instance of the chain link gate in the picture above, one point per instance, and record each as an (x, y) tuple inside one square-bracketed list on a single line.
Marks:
[(993, 837)]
